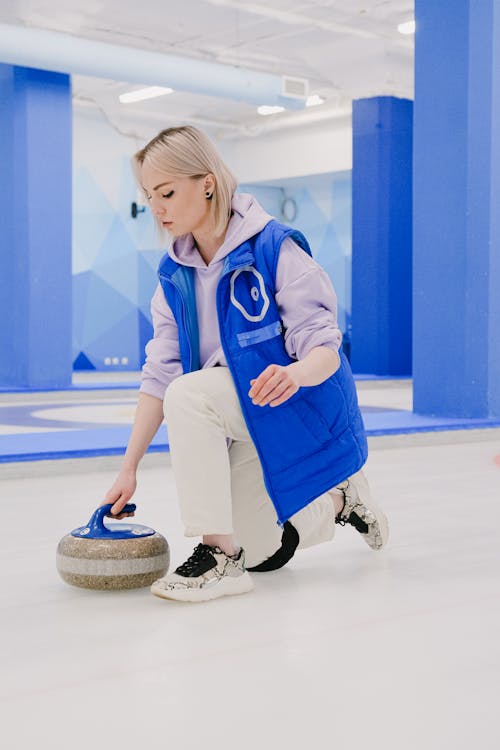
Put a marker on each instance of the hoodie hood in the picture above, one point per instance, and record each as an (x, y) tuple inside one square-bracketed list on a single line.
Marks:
[(247, 219)]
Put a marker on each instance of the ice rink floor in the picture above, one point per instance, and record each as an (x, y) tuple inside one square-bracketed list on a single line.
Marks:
[(344, 648)]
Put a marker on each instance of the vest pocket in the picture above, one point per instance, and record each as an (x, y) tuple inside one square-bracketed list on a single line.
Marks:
[(290, 433), (312, 420), (264, 333), (328, 403)]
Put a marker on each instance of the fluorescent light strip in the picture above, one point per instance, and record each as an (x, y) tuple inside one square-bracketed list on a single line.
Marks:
[(267, 110), (314, 100), (148, 93), (408, 27)]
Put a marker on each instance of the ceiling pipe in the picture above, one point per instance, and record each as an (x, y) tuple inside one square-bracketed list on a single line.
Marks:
[(63, 53)]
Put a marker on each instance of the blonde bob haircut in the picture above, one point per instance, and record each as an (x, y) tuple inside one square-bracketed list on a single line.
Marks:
[(188, 152)]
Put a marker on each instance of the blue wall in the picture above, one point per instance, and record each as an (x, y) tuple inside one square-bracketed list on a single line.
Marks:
[(35, 229), (456, 208), (382, 236)]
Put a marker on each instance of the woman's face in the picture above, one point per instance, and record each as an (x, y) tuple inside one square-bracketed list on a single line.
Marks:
[(179, 203)]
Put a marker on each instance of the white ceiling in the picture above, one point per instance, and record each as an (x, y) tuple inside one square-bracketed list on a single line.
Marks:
[(347, 49)]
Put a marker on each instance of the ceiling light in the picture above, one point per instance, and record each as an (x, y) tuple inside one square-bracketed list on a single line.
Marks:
[(266, 110), (148, 93), (408, 27), (314, 100)]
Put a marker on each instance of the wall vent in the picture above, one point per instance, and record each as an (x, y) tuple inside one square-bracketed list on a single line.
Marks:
[(295, 88)]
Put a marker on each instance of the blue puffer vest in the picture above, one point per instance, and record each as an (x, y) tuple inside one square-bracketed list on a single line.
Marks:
[(314, 440)]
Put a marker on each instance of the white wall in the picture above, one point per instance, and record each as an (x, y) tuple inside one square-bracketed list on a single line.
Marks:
[(308, 150)]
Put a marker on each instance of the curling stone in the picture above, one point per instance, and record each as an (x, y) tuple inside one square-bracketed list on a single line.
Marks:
[(118, 556)]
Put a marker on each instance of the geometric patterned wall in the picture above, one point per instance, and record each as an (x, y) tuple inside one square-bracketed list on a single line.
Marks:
[(114, 276), (324, 216)]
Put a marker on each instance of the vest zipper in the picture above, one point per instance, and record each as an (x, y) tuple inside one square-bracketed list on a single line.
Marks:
[(233, 374)]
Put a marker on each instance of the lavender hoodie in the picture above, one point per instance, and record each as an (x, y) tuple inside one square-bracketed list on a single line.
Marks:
[(304, 294)]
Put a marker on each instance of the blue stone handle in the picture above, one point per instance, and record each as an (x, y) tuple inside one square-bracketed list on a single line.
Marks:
[(96, 523)]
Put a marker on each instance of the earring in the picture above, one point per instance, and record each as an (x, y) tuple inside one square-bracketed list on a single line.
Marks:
[(208, 195)]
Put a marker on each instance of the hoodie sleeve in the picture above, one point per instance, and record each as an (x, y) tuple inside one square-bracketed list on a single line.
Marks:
[(307, 302), (163, 358)]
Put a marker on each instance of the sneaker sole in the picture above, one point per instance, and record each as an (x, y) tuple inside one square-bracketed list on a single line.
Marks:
[(226, 587), (378, 530)]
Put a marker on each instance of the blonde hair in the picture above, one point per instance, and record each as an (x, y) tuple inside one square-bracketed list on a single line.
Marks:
[(188, 152)]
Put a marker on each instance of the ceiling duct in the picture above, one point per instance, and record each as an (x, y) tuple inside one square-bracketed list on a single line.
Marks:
[(63, 53)]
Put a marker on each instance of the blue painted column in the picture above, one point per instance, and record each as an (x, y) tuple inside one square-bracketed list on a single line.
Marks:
[(456, 348), (35, 228), (381, 236)]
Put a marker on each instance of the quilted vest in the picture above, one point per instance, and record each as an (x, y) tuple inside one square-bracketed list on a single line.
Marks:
[(316, 439)]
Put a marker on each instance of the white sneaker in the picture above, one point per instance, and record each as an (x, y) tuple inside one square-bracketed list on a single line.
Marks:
[(362, 512), (207, 574)]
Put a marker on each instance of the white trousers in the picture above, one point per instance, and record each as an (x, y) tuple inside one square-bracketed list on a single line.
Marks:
[(221, 487)]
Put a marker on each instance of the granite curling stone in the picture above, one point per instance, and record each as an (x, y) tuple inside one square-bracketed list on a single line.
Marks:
[(118, 556)]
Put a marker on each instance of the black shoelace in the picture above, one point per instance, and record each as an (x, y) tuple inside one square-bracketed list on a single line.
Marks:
[(198, 563), (354, 520)]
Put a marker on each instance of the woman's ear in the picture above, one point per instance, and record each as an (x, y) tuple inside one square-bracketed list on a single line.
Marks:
[(209, 185)]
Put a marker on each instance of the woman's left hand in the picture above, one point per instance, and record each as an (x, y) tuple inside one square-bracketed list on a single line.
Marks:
[(275, 385)]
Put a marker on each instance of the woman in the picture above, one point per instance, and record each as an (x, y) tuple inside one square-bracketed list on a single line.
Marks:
[(265, 434)]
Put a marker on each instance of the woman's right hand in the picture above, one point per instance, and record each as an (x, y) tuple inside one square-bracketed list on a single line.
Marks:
[(121, 492)]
